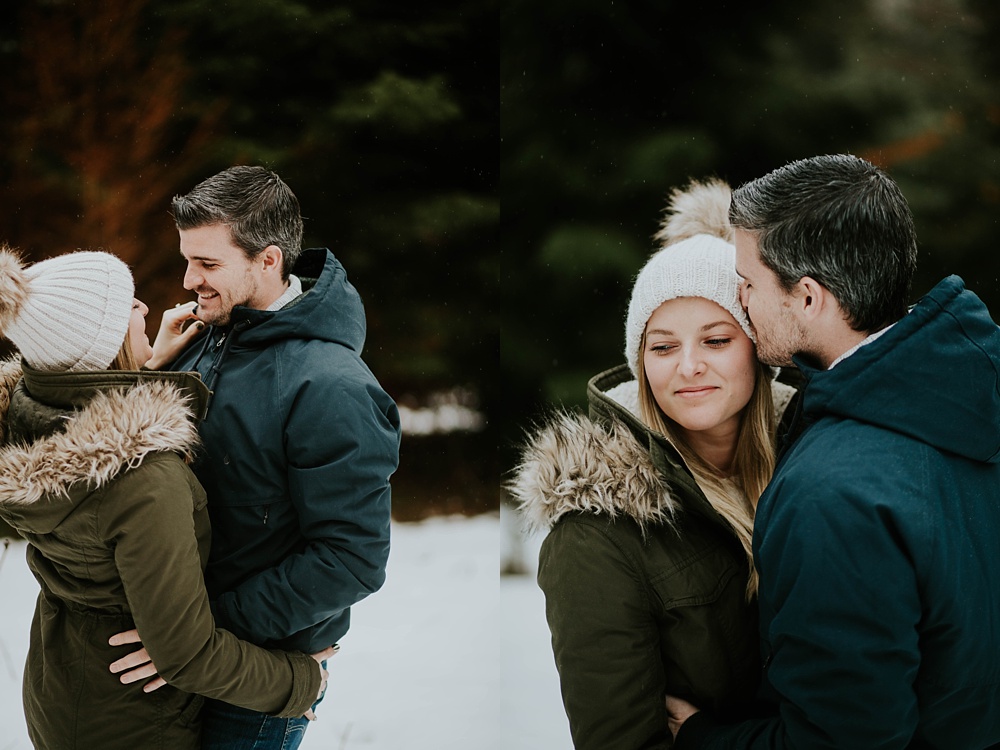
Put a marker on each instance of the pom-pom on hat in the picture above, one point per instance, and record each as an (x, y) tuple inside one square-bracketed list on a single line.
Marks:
[(697, 260), (68, 313)]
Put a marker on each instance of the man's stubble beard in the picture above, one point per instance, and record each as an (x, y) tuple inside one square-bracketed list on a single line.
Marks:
[(245, 299), (778, 352)]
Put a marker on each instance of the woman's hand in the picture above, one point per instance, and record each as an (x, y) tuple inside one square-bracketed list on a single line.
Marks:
[(320, 657), (173, 337)]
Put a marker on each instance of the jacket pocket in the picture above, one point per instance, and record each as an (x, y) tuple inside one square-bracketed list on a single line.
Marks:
[(708, 630)]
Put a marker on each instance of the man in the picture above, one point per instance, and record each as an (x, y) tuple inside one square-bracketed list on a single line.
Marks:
[(878, 540), (299, 439)]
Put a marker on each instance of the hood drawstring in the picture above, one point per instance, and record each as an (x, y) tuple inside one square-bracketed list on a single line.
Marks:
[(215, 369)]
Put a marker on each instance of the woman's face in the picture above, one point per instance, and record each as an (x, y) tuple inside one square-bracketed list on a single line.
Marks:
[(699, 364), (137, 333)]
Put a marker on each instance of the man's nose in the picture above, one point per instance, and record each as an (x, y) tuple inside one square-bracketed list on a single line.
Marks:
[(191, 278)]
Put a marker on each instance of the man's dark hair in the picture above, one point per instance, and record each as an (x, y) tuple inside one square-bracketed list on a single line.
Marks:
[(256, 205), (840, 220)]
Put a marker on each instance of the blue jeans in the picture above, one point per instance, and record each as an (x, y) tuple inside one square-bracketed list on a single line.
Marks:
[(228, 727)]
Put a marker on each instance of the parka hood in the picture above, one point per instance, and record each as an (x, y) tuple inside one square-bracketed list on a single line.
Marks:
[(934, 376), (331, 311), (572, 464), (609, 463), (52, 456)]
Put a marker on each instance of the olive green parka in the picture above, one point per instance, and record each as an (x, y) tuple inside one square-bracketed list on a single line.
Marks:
[(645, 584), (93, 476)]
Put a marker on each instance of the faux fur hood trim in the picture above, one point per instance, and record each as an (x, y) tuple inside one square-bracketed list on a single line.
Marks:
[(573, 464), (10, 374), (117, 429)]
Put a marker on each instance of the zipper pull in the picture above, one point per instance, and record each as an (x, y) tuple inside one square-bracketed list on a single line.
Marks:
[(267, 510), (221, 339)]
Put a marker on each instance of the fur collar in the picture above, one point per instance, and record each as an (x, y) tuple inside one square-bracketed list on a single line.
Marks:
[(10, 373), (113, 431), (573, 464)]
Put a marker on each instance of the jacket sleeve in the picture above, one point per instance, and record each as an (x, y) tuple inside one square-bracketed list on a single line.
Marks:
[(840, 592), (605, 642), (148, 515), (341, 445)]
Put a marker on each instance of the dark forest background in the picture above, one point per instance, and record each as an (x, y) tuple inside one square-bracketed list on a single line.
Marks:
[(383, 118), (607, 106)]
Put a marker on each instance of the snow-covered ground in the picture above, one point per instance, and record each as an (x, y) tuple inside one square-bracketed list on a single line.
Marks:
[(447, 656)]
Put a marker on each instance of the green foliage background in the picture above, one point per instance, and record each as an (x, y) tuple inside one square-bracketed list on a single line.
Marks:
[(382, 116), (607, 106)]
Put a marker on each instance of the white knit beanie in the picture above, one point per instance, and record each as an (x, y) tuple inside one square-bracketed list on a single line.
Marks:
[(698, 261), (68, 313)]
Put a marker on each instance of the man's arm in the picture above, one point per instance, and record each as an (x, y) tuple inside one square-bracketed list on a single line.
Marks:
[(342, 444), (840, 602)]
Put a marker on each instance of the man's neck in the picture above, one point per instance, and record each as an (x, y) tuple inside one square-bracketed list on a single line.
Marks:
[(865, 339), (839, 345), (289, 291)]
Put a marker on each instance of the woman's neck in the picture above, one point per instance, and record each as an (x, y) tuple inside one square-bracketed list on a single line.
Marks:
[(716, 447)]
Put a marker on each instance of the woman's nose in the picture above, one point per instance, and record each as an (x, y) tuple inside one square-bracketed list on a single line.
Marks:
[(692, 362)]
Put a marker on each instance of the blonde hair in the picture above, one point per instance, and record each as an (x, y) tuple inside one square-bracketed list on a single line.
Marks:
[(753, 464), (125, 359)]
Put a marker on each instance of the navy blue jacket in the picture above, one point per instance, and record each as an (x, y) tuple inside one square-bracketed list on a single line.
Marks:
[(299, 444), (878, 545)]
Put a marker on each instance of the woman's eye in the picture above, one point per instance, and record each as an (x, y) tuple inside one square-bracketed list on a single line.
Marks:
[(718, 342)]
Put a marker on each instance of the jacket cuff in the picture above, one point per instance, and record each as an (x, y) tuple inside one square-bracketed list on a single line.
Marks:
[(696, 731), (306, 679)]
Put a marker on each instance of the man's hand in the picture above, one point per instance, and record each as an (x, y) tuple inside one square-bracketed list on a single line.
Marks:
[(678, 711), (138, 662), (320, 657), (173, 337)]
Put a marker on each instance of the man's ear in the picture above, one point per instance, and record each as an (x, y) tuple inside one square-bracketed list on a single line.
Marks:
[(271, 259), (811, 298)]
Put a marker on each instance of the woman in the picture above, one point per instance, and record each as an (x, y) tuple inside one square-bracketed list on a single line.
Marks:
[(647, 567), (93, 475)]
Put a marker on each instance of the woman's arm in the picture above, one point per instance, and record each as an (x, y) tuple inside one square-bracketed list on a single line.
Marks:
[(148, 515), (605, 641)]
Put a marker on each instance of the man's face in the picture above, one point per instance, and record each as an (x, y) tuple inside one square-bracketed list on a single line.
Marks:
[(769, 307), (219, 272)]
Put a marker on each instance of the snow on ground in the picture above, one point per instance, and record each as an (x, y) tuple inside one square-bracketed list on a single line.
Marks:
[(447, 656)]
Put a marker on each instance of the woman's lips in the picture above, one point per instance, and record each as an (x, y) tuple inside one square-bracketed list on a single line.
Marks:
[(696, 391)]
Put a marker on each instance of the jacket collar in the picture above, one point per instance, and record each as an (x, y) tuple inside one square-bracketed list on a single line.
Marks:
[(71, 390)]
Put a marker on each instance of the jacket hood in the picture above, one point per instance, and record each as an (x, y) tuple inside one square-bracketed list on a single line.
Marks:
[(612, 464), (331, 310), (934, 376), (53, 456), (573, 464)]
